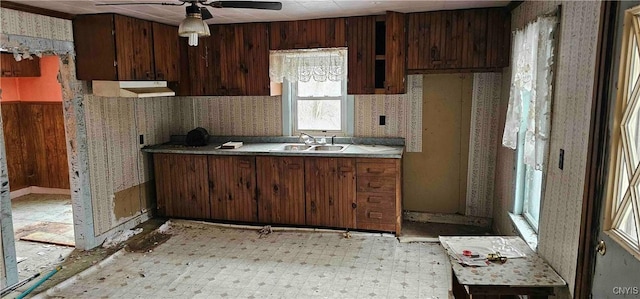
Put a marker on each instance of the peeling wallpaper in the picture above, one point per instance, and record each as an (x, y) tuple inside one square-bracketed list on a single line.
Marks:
[(27, 24), (562, 203), (116, 163)]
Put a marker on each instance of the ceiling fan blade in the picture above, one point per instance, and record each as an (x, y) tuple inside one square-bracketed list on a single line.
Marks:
[(247, 4), (141, 3), (206, 14)]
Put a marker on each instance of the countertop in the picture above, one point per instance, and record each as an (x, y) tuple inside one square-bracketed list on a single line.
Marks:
[(271, 149)]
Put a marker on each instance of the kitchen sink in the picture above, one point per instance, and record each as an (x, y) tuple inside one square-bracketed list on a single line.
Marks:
[(293, 147), (328, 148), (310, 148)]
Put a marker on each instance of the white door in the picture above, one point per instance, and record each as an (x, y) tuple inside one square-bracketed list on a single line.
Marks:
[(617, 272)]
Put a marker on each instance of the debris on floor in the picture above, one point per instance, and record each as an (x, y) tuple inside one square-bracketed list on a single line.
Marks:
[(120, 237), (166, 227), (146, 243), (346, 235), (265, 231)]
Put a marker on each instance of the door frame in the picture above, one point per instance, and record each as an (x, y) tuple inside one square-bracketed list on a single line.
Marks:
[(598, 151)]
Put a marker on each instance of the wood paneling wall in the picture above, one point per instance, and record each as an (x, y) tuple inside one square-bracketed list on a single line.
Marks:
[(35, 144)]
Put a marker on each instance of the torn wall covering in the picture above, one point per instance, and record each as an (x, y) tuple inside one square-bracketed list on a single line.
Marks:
[(113, 127), (22, 31)]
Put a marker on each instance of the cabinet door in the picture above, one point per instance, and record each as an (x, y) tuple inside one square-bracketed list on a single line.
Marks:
[(229, 41), (395, 53), (319, 33), (232, 185), (362, 57), (134, 53), (22, 68), (93, 36), (204, 67), (330, 192), (166, 52), (474, 43), (281, 190), (254, 59), (182, 186)]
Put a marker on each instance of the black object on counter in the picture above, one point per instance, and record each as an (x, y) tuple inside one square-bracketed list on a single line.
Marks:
[(197, 137)]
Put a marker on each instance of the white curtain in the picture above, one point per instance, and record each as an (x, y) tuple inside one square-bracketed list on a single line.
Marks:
[(531, 87), (321, 65)]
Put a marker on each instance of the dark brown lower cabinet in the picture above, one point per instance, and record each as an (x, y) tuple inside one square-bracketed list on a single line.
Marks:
[(280, 190), (232, 188), (379, 194), (362, 193), (330, 192), (181, 185)]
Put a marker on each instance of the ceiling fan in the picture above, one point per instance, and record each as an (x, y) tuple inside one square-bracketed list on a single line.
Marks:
[(193, 26)]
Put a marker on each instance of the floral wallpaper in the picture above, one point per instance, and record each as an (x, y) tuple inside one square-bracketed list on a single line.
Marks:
[(571, 109), (27, 24)]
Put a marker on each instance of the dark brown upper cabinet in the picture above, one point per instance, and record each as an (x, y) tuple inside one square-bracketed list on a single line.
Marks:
[(463, 40), (377, 54), (23, 68), (319, 33), (234, 61), (166, 47), (361, 60), (115, 47), (396, 53)]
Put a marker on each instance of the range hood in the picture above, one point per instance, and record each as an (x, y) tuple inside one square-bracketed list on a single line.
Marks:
[(132, 89)]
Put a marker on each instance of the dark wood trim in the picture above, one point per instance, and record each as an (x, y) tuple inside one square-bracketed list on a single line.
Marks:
[(513, 5), (598, 152), (36, 10), (449, 71)]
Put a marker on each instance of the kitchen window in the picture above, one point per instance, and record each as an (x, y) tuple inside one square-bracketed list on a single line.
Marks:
[(528, 123), (314, 91)]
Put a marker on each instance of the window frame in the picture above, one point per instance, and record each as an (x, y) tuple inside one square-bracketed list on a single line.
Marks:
[(289, 111)]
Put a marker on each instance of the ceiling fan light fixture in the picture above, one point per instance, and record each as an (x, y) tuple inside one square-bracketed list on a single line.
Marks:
[(193, 27)]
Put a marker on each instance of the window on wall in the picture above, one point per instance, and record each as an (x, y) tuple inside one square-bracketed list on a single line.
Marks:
[(622, 217), (528, 123), (314, 95)]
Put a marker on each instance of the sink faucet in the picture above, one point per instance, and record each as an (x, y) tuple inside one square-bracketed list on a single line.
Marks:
[(307, 139)]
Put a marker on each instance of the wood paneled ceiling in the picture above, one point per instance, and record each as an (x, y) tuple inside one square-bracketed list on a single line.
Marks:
[(291, 9)]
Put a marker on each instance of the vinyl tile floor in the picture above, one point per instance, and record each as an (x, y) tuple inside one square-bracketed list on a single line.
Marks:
[(34, 212), (206, 261)]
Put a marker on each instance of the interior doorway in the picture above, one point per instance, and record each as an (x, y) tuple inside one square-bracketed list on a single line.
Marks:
[(37, 163)]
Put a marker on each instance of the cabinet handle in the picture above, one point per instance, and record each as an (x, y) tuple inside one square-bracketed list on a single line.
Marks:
[(294, 166), (354, 205), (245, 164), (7, 73), (375, 184), (375, 215), (374, 199), (345, 169), (159, 76), (375, 170)]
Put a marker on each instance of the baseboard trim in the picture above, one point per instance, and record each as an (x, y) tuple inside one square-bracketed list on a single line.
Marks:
[(38, 190), (448, 218)]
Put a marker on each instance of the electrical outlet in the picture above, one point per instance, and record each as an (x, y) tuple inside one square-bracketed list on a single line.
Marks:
[(383, 120), (561, 159), (141, 139)]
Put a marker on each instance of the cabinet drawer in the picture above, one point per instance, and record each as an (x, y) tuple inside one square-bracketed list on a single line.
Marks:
[(376, 184), (376, 169), (375, 212)]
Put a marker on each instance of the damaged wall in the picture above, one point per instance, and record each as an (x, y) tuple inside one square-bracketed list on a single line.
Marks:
[(121, 189)]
